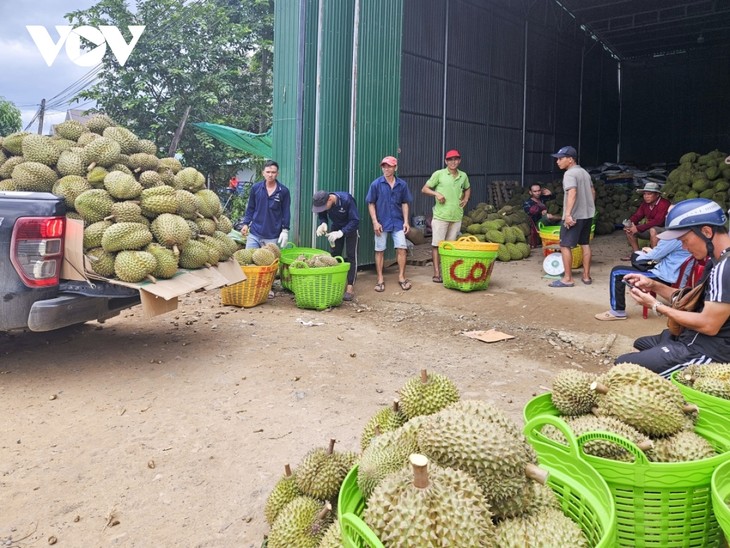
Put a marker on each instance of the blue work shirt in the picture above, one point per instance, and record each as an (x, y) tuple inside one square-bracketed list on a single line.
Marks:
[(389, 202), (343, 214), (669, 257), (266, 215)]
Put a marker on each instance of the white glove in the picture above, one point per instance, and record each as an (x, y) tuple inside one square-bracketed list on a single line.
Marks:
[(283, 237), (322, 229), (334, 236)]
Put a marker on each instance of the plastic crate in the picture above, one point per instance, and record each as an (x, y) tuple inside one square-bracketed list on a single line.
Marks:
[(288, 256), (319, 288), (252, 291), (583, 496), (720, 486), (720, 406), (662, 504), (466, 270)]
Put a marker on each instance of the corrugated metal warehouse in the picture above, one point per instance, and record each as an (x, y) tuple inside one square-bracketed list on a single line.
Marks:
[(506, 82)]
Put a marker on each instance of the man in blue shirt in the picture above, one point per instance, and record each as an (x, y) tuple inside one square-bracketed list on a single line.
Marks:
[(339, 208), (268, 214), (388, 204)]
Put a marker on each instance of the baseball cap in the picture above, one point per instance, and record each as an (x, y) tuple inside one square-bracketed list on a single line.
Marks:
[(565, 151), (453, 154), (319, 201), (389, 160)]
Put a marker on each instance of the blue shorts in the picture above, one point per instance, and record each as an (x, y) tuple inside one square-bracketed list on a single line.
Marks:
[(399, 240), (255, 242)]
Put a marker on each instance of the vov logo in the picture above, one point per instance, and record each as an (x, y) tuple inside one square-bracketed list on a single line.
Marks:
[(101, 37)]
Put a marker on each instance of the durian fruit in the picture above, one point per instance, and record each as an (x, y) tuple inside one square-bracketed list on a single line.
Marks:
[(322, 471), (210, 204), (332, 536), (714, 387), (71, 162), (301, 523), (6, 169), (170, 230), (228, 246), (430, 506), (206, 226), (187, 203), (263, 257), (271, 247), (387, 419), (141, 161), (126, 139), (244, 256), (122, 186), (94, 232), (167, 261), (157, 200), (192, 180), (134, 266), (94, 205), (631, 373), (69, 188), (70, 129), (170, 164), (148, 147), (427, 394), (96, 176), (33, 177), (683, 446), (283, 493), (98, 123), (101, 152), (571, 392), (40, 148), (225, 225), (85, 138), (127, 211), (148, 179), (102, 262), (193, 254), (547, 527), (535, 496), (126, 236)]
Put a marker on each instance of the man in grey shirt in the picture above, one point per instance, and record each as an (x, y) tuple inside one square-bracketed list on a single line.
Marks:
[(578, 211)]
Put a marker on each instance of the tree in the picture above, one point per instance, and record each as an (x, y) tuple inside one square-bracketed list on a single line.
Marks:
[(10, 120), (213, 56)]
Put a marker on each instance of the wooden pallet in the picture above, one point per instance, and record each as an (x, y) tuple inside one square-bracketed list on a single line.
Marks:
[(500, 192)]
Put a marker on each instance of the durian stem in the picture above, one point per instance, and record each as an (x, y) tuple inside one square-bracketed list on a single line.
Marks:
[(396, 406), (176, 250), (331, 448), (690, 408), (598, 387), (534, 472), (92, 165), (287, 470), (151, 278), (424, 376), (376, 431), (326, 509), (645, 445), (596, 411), (420, 471)]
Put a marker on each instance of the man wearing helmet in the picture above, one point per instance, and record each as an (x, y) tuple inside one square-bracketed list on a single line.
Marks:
[(701, 225)]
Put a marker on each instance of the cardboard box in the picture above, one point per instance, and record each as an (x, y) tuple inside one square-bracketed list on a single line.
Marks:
[(157, 297)]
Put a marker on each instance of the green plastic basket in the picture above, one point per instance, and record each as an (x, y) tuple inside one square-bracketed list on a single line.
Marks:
[(466, 270), (319, 288), (703, 401), (720, 485), (583, 495), (288, 256), (662, 504)]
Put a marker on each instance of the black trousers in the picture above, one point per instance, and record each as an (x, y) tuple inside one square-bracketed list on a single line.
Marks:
[(663, 354), (349, 243)]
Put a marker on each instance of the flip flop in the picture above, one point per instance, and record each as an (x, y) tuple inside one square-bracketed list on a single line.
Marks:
[(405, 285), (437, 279), (347, 296), (380, 287), (608, 317), (560, 283), (589, 281)]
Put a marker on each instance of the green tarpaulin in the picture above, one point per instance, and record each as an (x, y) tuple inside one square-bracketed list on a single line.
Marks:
[(258, 144)]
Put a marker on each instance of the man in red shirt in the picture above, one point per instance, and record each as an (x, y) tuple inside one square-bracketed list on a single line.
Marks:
[(651, 214)]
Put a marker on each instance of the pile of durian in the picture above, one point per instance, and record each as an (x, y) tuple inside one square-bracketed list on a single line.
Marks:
[(508, 227), (634, 403), (144, 216), (321, 260), (263, 256), (700, 176), (435, 471), (711, 378)]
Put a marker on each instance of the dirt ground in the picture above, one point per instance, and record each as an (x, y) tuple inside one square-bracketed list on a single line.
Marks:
[(171, 431)]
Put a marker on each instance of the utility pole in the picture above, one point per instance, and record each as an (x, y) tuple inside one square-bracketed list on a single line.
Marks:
[(41, 112), (178, 133)]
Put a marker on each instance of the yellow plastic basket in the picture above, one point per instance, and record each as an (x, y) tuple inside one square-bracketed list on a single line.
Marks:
[(254, 290), (549, 247)]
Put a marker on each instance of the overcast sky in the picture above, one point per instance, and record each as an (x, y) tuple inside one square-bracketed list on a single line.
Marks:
[(25, 78)]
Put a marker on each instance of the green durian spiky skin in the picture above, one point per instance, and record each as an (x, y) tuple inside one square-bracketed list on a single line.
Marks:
[(387, 419), (270, 246), (170, 230), (282, 494), (549, 527), (122, 186), (96, 176), (533, 498), (194, 230), (141, 161), (297, 524), (94, 205), (427, 394), (187, 203), (225, 225), (332, 536), (450, 511), (126, 139), (121, 166), (213, 248), (488, 450), (684, 446), (322, 471), (210, 204), (167, 261), (69, 188), (263, 257), (157, 200), (102, 152), (71, 162), (86, 137), (206, 226), (126, 236), (631, 373), (126, 212), (244, 256), (171, 164), (34, 177), (715, 370), (65, 144), (102, 262), (324, 260), (133, 266), (98, 123), (8, 184), (6, 169), (601, 448), (94, 233), (571, 392), (149, 179), (70, 129), (192, 180), (13, 143), (193, 254), (298, 263), (148, 147), (714, 387)]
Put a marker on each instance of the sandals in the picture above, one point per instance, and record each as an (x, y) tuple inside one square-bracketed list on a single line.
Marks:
[(380, 287), (608, 317), (437, 279), (405, 285), (560, 283)]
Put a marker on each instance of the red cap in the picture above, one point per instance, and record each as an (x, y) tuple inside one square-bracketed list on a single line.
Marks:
[(453, 154), (389, 160)]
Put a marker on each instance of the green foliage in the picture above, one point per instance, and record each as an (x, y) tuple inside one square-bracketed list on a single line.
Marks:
[(10, 120), (214, 57)]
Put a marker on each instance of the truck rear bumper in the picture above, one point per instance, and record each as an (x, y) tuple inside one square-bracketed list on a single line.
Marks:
[(66, 310)]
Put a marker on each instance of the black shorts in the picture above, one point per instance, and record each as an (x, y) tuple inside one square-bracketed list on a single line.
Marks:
[(578, 234)]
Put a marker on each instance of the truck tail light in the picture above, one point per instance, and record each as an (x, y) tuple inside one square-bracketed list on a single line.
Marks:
[(36, 249)]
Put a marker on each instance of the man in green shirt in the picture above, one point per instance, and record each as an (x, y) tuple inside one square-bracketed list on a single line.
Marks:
[(450, 187)]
